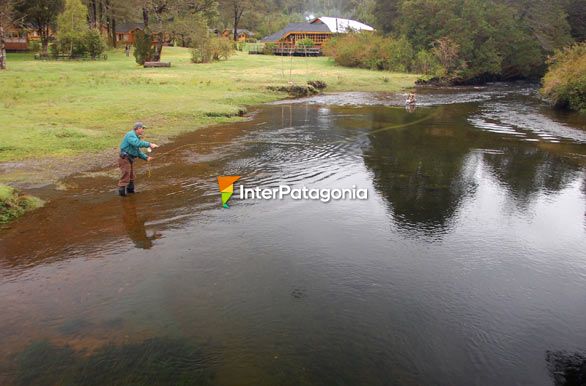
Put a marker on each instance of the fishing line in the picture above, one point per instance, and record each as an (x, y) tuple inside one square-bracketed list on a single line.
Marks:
[(345, 140)]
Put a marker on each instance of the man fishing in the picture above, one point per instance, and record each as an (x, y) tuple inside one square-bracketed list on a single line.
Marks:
[(129, 151)]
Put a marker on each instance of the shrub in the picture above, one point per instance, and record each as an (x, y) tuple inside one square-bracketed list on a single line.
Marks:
[(564, 84), (143, 47), (370, 50), (94, 43), (222, 48), (269, 49), (14, 204), (307, 42), (35, 46), (207, 49), (427, 63)]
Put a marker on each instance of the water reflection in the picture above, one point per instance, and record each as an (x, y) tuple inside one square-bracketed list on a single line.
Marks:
[(134, 225), (567, 369), (527, 171), (418, 169)]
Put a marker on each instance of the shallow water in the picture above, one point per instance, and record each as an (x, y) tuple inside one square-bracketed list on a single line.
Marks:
[(465, 266)]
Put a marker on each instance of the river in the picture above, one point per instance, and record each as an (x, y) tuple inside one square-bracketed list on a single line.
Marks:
[(466, 265)]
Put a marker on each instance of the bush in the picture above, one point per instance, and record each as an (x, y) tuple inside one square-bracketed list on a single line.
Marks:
[(222, 48), (564, 84), (14, 204), (307, 43), (207, 49), (143, 47), (94, 43), (427, 63), (369, 50), (35, 46), (54, 50), (269, 49)]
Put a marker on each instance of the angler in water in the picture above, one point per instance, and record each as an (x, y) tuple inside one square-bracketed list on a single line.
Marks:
[(411, 100), (129, 151)]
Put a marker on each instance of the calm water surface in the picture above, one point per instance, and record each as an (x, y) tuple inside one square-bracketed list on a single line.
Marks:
[(465, 266)]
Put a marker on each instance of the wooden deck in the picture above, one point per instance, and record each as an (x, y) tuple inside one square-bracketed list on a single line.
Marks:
[(288, 51), (297, 51)]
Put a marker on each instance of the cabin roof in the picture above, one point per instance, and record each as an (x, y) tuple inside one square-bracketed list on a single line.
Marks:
[(339, 25), (127, 27), (240, 31)]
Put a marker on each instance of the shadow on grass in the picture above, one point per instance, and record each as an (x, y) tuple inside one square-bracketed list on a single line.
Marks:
[(157, 361)]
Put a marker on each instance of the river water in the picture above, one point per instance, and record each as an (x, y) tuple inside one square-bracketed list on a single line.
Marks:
[(466, 265)]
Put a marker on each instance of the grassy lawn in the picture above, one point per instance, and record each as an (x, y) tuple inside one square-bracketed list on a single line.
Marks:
[(59, 109)]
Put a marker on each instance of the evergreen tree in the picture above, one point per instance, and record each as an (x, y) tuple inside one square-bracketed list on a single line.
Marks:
[(72, 26)]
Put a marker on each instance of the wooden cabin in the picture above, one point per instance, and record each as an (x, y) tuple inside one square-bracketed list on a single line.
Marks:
[(318, 30), (243, 34), (16, 39), (125, 32)]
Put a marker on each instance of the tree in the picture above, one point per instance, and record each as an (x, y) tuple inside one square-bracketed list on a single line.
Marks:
[(236, 8), (447, 52), (576, 10), (143, 47), (491, 39), (42, 16), (6, 20), (72, 25), (365, 11), (387, 12), (159, 16)]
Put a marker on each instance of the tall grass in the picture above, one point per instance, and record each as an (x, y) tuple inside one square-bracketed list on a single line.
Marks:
[(565, 81)]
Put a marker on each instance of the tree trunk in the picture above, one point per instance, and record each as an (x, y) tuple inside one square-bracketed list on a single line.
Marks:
[(236, 22), (145, 18), (2, 50), (159, 47), (93, 14), (44, 34), (100, 14), (113, 32)]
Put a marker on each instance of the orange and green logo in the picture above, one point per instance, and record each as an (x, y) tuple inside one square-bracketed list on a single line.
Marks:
[(226, 184)]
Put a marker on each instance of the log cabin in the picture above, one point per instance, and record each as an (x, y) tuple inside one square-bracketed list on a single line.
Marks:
[(318, 30), (243, 34), (125, 32), (16, 39)]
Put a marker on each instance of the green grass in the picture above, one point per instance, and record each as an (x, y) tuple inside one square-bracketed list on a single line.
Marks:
[(60, 109), (14, 204)]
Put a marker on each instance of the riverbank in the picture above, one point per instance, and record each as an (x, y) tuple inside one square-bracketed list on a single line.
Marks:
[(53, 112)]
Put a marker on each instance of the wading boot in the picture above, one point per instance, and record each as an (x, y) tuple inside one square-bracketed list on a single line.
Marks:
[(122, 191), (130, 187)]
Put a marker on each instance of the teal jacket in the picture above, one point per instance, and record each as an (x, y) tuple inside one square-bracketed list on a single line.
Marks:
[(131, 145)]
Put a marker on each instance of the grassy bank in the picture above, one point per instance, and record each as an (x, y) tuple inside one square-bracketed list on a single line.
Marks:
[(61, 109), (14, 204), (564, 84)]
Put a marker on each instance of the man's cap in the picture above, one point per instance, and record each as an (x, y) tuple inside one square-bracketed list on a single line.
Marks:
[(139, 125)]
